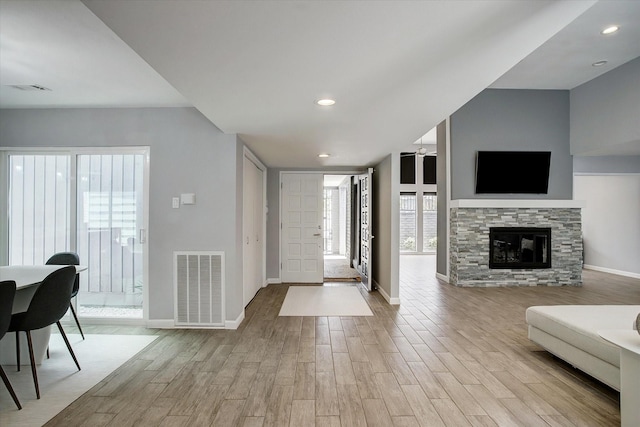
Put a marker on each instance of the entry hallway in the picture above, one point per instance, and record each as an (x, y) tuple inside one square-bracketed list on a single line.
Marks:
[(446, 356)]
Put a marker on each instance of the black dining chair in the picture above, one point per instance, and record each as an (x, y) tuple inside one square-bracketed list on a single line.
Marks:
[(7, 294), (48, 305), (69, 258)]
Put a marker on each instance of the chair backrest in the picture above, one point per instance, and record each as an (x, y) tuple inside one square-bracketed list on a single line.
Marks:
[(7, 293), (51, 300), (67, 258)]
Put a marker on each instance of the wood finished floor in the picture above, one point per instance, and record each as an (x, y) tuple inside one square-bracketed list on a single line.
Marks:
[(446, 356)]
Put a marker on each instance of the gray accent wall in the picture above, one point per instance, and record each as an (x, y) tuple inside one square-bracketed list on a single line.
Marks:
[(188, 154), (512, 120), (605, 113)]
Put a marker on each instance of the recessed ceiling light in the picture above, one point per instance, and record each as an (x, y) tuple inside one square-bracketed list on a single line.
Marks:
[(323, 155), (598, 64), (610, 30), (326, 102)]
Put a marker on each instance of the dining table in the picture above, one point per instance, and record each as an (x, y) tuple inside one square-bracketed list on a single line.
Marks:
[(27, 278)]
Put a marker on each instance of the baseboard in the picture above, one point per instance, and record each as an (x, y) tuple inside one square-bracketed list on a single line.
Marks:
[(385, 295), (170, 324), (106, 321), (161, 323), (233, 324), (274, 281), (612, 271), (442, 277)]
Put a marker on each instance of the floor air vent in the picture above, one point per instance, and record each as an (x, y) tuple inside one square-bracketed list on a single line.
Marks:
[(199, 289)]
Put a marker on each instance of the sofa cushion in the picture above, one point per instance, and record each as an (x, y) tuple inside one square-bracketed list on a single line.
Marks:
[(578, 325)]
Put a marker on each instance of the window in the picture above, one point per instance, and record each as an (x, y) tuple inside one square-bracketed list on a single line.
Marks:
[(408, 222), (429, 170), (418, 206), (407, 168), (429, 222)]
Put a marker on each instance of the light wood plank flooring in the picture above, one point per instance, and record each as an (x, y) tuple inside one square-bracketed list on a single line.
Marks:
[(446, 356)]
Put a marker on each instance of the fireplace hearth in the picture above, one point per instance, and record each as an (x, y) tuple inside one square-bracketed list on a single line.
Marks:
[(519, 247)]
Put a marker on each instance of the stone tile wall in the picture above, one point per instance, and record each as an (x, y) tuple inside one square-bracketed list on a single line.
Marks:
[(469, 250)]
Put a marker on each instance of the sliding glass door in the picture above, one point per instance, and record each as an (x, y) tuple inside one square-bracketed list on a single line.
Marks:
[(90, 203)]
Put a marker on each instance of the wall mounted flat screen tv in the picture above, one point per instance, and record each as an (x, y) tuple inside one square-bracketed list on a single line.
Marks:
[(512, 172)]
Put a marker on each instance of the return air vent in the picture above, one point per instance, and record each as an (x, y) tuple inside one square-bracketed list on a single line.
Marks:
[(30, 87), (199, 289)]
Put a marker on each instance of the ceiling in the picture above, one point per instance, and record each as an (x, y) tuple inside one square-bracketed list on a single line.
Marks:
[(395, 68)]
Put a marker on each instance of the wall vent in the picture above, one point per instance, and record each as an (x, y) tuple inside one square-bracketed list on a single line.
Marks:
[(199, 289)]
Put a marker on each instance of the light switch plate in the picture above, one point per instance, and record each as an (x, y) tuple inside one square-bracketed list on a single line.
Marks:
[(175, 202)]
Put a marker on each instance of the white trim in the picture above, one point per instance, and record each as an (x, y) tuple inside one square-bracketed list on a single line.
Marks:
[(604, 173), (249, 155), (385, 295), (273, 281), (447, 143), (234, 324), (161, 324), (516, 203), (612, 271), (442, 277), (120, 321)]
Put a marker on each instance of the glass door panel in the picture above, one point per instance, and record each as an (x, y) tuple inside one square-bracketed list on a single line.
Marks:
[(110, 222), (38, 207)]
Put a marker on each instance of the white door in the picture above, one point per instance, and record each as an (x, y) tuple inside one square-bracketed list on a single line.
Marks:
[(364, 261), (252, 224), (301, 257)]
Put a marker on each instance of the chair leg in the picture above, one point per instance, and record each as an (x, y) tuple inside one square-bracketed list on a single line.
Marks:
[(10, 388), (66, 341), (73, 311), (33, 364), (18, 350)]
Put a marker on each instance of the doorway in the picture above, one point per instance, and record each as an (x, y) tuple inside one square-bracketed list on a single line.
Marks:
[(337, 229)]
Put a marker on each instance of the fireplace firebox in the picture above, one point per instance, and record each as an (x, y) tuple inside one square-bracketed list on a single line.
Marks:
[(519, 247)]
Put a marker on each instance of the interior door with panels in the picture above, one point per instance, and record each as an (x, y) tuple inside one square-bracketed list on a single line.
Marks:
[(301, 258)]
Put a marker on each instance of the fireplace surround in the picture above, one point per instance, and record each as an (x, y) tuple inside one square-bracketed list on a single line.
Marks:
[(469, 241)]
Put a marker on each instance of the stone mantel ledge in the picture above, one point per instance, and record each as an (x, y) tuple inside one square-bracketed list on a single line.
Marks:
[(517, 203)]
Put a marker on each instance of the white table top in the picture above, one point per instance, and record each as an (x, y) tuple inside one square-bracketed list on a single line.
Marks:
[(28, 275), (629, 339)]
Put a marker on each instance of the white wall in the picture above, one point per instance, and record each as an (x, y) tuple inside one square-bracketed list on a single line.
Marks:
[(188, 154), (610, 221)]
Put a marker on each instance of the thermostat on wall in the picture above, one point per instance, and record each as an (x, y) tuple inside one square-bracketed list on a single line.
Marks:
[(188, 198)]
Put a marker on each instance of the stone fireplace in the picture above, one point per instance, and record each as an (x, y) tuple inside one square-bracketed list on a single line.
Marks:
[(535, 243)]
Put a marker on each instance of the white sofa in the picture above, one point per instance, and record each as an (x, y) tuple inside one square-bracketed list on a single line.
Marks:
[(571, 333)]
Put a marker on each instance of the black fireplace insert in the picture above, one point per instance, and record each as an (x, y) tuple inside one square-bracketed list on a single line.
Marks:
[(519, 247)]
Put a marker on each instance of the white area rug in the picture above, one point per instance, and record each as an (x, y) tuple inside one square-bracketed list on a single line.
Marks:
[(324, 301), (60, 381)]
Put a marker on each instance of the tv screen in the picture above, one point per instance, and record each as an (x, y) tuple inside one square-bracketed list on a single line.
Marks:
[(513, 172)]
